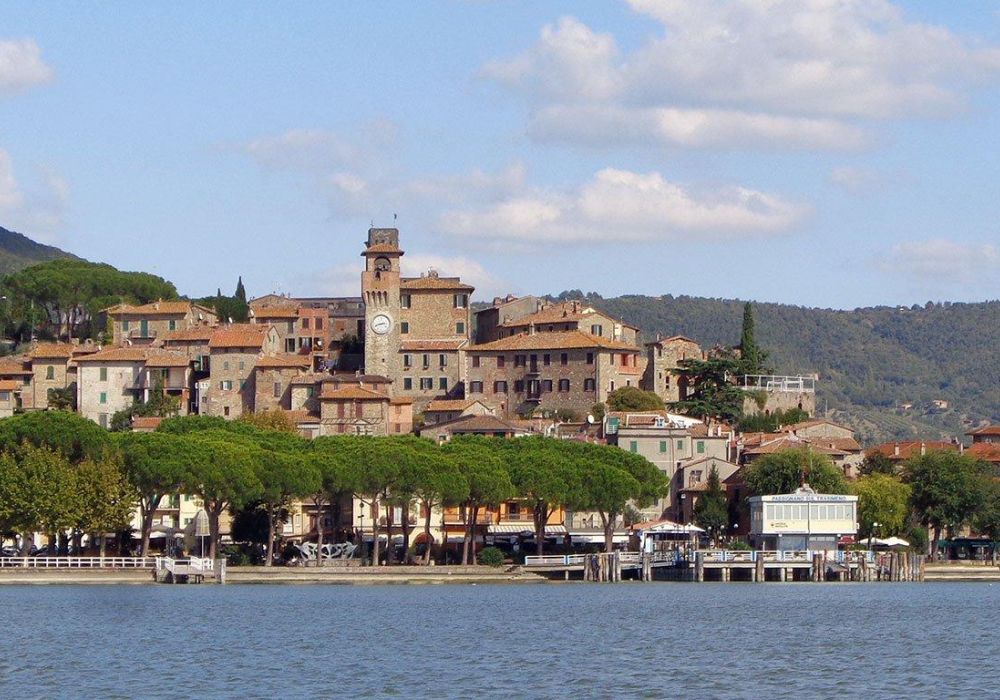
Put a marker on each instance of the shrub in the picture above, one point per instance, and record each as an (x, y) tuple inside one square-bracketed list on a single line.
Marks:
[(491, 556)]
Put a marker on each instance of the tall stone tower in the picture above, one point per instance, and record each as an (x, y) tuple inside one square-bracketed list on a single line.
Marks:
[(380, 290)]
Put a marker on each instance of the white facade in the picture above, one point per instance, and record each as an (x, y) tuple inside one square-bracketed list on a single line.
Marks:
[(105, 388), (802, 520)]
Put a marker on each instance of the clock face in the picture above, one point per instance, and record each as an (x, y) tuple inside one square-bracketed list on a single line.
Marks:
[(381, 324)]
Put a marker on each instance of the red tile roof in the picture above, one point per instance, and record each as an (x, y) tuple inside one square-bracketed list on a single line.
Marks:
[(52, 350), (166, 359), (285, 312), (354, 393), (157, 308), (905, 450), (434, 345), (119, 354), (557, 340), (10, 385), (985, 430), (11, 366), (449, 404), (432, 282), (986, 451), (202, 333), (239, 335), (284, 360), (382, 248), (672, 339), (146, 422)]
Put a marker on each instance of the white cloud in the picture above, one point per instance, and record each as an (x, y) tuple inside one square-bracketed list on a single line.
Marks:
[(792, 73), (619, 205), (36, 210), (471, 272), (21, 66), (940, 263), (339, 281), (322, 149), (856, 180)]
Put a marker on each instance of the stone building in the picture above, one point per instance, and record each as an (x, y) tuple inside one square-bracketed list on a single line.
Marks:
[(503, 309), (273, 380), (51, 368), (18, 371), (553, 317), (235, 350), (142, 324), (10, 399), (443, 410), (416, 327), (568, 370), (360, 408), (663, 356)]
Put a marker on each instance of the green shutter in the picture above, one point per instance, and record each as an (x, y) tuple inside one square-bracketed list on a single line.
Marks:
[(663, 445), (701, 447), (633, 446)]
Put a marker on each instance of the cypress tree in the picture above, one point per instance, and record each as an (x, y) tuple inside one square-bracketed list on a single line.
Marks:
[(751, 355), (241, 292)]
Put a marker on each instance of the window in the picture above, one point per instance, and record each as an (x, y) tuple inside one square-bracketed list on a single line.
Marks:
[(611, 385), (596, 329), (404, 327), (590, 358), (460, 328), (226, 385), (357, 409), (404, 301), (277, 390), (518, 386), (461, 301), (172, 325), (124, 325), (426, 383), (427, 360), (564, 358), (547, 385), (476, 387), (475, 360), (563, 385), (291, 326), (225, 366), (243, 384), (319, 324), (305, 323), (633, 446), (499, 387), (50, 372), (501, 361), (102, 420), (242, 365), (4, 396), (407, 383), (340, 409), (680, 444), (225, 411), (104, 374), (442, 360), (701, 447), (407, 361), (104, 397), (588, 384), (663, 445), (443, 383)]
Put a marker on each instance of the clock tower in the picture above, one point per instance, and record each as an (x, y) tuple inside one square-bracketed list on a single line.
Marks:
[(380, 291)]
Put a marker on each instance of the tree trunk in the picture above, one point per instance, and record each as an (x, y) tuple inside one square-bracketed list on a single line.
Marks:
[(539, 516), (26, 544), (427, 533), (375, 533), (466, 537), (103, 544), (270, 534), (147, 509), (390, 551), (406, 533), (934, 542), (472, 543), (319, 528), (608, 520), (214, 512)]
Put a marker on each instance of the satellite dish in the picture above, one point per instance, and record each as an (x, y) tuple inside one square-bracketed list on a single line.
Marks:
[(590, 418)]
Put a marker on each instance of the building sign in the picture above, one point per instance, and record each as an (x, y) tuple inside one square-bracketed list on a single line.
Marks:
[(808, 497)]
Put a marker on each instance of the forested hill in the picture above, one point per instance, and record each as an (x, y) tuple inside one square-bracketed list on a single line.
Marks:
[(18, 251), (870, 361)]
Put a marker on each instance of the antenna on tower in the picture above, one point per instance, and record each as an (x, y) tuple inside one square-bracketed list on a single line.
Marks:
[(394, 217)]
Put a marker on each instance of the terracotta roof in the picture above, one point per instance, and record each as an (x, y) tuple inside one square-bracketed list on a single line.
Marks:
[(352, 378), (986, 430), (239, 335), (558, 340), (810, 424), (146, 422), (911, 448), (382, 248), (9, 366), (789, 443), (449, 404), (482, 424), (201, 332), (157, 308), (417, 345), (167, 359), (358, 393), (51, 350), (299, 417), (10, 385), (122, 354), (284, 360), (311, 378), (401, 400), (276, 312), (672, 339), (432, 282), (986, 451)]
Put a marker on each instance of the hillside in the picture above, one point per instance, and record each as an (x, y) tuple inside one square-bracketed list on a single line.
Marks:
[(870, 361), (18, 251)]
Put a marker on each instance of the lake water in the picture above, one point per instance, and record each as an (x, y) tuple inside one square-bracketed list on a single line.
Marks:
[(561, 640)]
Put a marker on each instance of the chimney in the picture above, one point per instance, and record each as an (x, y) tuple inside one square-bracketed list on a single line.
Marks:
[(923, 448), (896, 451), (531, 328)]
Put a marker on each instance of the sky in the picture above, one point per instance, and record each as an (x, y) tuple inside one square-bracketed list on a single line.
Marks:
[(814, 152)]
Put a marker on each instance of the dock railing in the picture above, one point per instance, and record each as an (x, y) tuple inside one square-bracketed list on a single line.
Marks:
[(77, 562)]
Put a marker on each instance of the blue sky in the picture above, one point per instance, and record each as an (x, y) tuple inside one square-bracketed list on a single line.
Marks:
[(822, 153)]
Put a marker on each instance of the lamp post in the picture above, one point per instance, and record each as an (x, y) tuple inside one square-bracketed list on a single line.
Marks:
[(361, 532), (870, 533)]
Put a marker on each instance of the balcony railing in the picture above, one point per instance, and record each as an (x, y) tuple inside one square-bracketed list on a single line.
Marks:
[(774, 382)]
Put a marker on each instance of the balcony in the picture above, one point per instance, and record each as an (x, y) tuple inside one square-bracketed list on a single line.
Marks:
[(481, 519), (520, 517)]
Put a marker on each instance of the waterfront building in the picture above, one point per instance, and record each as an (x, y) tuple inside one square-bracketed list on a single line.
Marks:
[(803, 520)]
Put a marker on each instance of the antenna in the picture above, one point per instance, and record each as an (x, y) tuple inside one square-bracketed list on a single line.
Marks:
[(394, 217)]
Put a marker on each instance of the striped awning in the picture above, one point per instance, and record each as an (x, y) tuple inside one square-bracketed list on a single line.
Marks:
[(527, 528)]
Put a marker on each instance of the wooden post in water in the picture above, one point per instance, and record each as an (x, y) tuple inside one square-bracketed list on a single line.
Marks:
[(699, 566), (758, 569)]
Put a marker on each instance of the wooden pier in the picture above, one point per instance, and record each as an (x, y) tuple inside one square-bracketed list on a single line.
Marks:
[(728, 565), (193, 570)]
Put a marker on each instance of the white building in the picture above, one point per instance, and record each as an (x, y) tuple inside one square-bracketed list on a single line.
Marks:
[(802, 520)]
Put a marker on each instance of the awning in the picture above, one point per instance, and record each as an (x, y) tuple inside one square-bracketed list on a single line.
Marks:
[(525, 529), (596, 537)]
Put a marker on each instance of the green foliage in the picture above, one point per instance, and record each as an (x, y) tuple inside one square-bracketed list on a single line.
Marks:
[(711, 512), (711, 391), (752, 356), (987, 518), (159, 405), (63, 398), (631, 398), (72, 435), (885, 500), (104, 498), (598, 411), (877, 463), (227, 307), (62, 297), (763, 423), (784, 471), (567, 415), (37, 490), (241, 292), (948, 488), (491, 556)]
